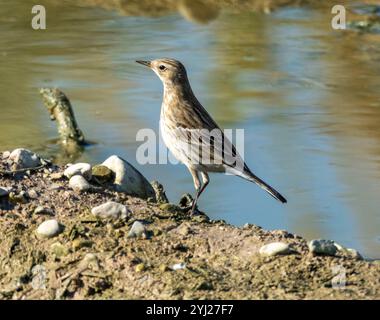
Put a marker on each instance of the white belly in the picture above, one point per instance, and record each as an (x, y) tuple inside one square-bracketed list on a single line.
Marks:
[(173, 144)]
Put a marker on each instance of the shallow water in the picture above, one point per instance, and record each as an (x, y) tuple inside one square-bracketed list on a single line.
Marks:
[(308, 98)]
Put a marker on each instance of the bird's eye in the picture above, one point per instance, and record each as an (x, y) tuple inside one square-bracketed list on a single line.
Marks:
[(162, 67)]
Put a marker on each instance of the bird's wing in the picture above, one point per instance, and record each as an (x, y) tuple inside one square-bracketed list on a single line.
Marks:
[(200, 140), (208, 148)]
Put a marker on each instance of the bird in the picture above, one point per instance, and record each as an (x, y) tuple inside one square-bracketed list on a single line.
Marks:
[(191, 134)]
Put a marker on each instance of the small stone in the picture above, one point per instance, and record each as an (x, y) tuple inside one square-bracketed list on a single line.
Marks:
[(6, 155), (179, 266), (49, 229), (79, 184), (160, 192), (4, 191), (59, 250), (23, 158), (111, 210), (81, 169), (185, 230), (274, 248), (90, 260), (157, 232), (39, 277), (352, 253), (102, 174), (55, 186), (43, 210), (163, 268), (56, 176), (186, 201), (32, 194), (18, 198), (81, 243), (324, 247), (140, 267), (137, 230)]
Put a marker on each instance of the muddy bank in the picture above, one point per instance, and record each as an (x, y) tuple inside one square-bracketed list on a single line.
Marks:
[(169, 254)]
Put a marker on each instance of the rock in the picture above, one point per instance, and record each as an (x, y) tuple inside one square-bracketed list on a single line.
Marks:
[(111, 210), (79, 184), (59, 250), (56, 176), (81, 243), (185, 230), (160, 192), (18, 198), (352, 253), (163, 268), (49, 229), (137, 230), (90, 260), (4, 191), (140, 267), (274, 248), (102, 174), (128, 179), (43, 210), (6, 155), (39, 277), (81, 169), (32, 194), (23, 158), (179, 266), (55, 186), (321, 246), (186, 202)]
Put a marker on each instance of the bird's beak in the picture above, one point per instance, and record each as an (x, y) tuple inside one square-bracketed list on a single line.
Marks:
[(145, 63)]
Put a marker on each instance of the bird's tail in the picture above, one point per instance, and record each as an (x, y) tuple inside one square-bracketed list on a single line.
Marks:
[(275, 194), (248, 175)]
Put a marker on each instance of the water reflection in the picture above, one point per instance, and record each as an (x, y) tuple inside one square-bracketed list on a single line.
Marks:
[(307, 97)]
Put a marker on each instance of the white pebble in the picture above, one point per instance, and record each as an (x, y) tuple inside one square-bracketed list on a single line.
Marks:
[(78, 183), (110, 210), (137, 230), (82, 169), (179, 266), (49, 228), (274, 248), (24, 158)]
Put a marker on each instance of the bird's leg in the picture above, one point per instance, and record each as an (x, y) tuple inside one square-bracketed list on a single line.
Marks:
[(206, 180), (197, 185)]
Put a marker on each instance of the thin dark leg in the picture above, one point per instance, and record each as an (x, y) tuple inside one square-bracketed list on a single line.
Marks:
[(199, 192)]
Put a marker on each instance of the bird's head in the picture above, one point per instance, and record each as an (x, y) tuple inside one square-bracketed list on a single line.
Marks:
[(170, 71)]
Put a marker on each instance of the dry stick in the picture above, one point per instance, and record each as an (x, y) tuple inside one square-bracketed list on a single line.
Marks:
[(60, 109)]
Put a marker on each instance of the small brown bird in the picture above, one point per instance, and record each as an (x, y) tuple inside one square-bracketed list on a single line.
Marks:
[(192, 135)]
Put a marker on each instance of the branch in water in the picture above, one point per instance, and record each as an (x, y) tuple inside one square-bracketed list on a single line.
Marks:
[(60, 110)]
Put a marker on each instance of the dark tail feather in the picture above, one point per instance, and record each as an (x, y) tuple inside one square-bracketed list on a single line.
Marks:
[(275, 194)]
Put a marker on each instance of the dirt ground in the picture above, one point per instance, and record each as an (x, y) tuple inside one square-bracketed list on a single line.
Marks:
[(94, 259)]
